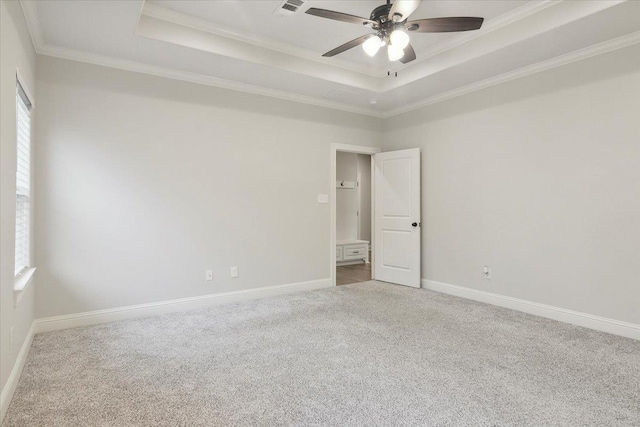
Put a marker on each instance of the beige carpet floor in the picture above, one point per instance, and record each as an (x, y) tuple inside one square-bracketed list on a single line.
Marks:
[(368, 354)]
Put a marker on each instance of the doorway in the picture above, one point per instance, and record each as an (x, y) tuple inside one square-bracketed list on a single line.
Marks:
[(352, 219), (395, 236)]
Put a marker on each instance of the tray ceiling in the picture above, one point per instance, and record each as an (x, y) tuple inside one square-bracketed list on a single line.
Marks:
[(258, 20), (244, 45)]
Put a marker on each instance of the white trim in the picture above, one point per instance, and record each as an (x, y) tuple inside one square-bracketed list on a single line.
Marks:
[(139, 67), (33, 22), (179, 18), (31, 16), (21, 284), (612, 326), (508, 18), (162, 307), (532, 22), (347, 148), (558, 61), (26, 89), (22, 280), (175, 17), (358, 149), (180, 35), (134, 66), (12, 382)]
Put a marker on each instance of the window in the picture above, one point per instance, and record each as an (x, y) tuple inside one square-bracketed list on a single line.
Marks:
[(23, 180)]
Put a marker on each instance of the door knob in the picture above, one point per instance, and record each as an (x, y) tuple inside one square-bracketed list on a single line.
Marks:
[(415, 224)]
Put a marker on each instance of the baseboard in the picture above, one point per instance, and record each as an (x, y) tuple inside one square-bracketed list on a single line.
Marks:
[(14, 376), (604, 324), (163, 307)]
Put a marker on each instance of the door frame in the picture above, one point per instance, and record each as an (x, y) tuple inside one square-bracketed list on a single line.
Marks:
[(357, 149)]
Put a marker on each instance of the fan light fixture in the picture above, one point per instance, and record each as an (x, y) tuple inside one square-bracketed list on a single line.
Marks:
[(399, 38), (372, 45), (395, 52), (391, 24)]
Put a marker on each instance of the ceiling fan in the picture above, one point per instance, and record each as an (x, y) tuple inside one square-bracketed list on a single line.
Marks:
[(391, 26)]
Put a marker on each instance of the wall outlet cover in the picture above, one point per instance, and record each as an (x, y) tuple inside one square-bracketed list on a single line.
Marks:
[(234, 272), (209, 275), (323, 198)]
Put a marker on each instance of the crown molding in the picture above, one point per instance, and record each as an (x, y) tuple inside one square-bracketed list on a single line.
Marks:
[(33, 23), (139, 67), (558, 61), (179, 18), (489, 26), (183, 19), (204, 41), (31, 16), (526, 23)]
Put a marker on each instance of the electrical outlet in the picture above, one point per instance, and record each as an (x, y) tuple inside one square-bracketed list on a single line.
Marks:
[(487, 272), (209, 276), (11, 338), (234, 272)]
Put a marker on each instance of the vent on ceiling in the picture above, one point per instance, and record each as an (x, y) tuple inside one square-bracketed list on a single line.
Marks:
[(289, 7)]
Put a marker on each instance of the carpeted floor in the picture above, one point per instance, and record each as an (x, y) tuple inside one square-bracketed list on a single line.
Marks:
[(356, 355)]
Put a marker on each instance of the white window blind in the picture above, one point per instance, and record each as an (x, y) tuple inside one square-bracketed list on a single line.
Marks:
[(23, 180)]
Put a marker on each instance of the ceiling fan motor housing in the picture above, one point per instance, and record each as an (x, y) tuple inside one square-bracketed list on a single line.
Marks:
[(381, 13), (385, 26)]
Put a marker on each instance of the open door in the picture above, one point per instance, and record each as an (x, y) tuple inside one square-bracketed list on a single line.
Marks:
[(397, 217)]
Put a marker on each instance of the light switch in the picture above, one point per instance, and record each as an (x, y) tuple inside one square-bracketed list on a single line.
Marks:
[(323, 198)]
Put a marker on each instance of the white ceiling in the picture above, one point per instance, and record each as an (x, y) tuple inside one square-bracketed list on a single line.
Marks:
[(318, 35), (244, 45)]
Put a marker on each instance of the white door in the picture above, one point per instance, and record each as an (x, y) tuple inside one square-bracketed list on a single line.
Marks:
[(397, 217)]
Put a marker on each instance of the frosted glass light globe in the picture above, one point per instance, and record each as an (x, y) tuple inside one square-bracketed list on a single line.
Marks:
[(395, 53), (399, 38), (372, 45)]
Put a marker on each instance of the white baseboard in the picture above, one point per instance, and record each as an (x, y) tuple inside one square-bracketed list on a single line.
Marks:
[(163, 307), (14, 376), (616, 327)]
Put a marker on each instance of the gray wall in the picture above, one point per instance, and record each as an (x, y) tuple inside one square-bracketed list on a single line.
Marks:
[(144, 183), (538, 178), (364, 170), (17, 52), (346, 198)]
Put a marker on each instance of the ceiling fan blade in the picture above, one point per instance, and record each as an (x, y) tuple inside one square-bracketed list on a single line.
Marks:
[(404, 8), (444, 25), (409, 54), (348, 45), (339, 16)]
